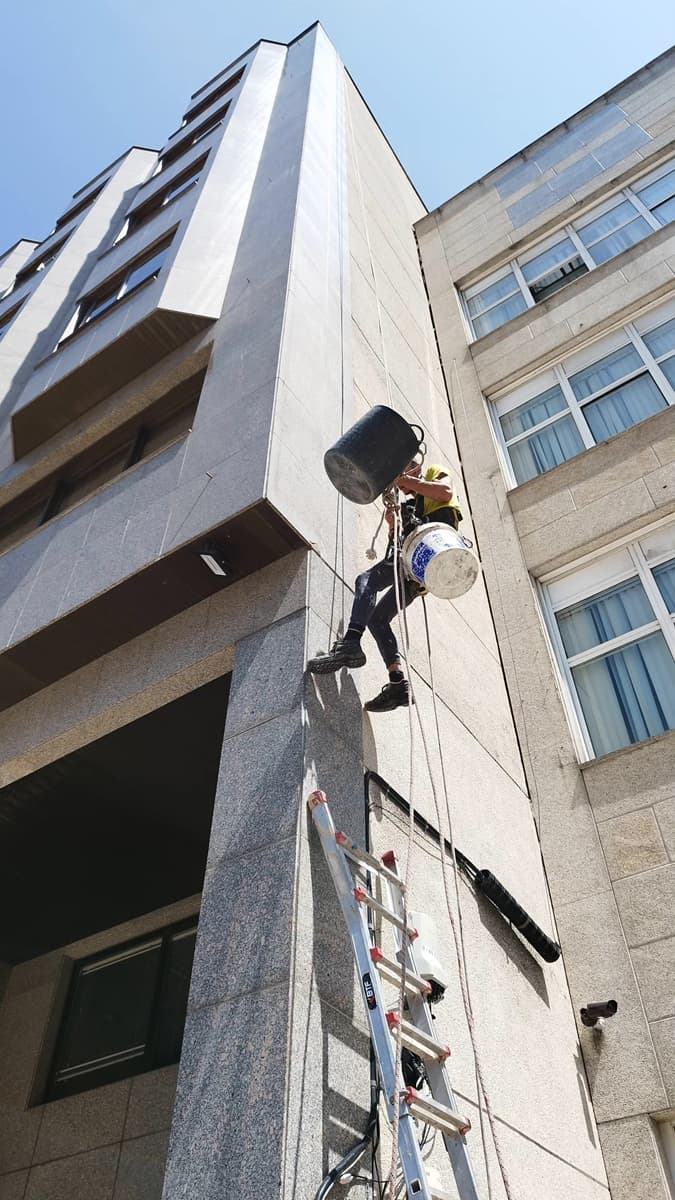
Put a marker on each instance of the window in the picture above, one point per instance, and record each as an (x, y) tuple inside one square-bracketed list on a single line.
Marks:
[(36, 265), (164, 423), (139, 272), (551, 269), (590, 397), (145, 212), (217, 94), (173, 152), (614, 626), (493, 302), (615, 230), (667, 1131), (125, 1012), (592, 240), (657, 193)]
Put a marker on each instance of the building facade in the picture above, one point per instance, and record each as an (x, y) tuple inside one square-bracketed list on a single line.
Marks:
[(180, 1015), (552, 286)]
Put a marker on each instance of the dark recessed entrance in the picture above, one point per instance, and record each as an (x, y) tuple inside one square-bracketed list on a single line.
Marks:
[(112, 831)]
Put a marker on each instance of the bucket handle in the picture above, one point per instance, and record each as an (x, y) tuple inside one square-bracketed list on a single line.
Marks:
[(420, 439)]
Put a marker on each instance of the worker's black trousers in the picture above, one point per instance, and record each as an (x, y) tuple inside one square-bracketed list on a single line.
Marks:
[(378, 617)]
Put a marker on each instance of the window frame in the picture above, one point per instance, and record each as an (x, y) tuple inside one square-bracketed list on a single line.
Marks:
[(150, 1059), (172, 153), (664, 622), (146, 212), (651, 365), (200, 106), (49, 500), (571, 230), (114, 286)]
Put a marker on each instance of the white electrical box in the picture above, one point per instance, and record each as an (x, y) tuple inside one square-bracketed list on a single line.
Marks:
[(428, 964)]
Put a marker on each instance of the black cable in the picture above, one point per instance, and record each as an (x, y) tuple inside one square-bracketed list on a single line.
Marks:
[(483, 880)]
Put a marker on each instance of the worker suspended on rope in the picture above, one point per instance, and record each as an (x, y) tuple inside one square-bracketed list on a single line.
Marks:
[(433, 500)]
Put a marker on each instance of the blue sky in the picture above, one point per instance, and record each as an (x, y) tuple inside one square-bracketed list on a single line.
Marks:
[(456, 88)]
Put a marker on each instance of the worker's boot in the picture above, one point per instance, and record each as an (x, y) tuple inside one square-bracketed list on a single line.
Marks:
[(346, 652), (393, 695)]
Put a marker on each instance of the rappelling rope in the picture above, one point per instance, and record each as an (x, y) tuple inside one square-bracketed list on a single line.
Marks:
[(407, 875), (457, 926)]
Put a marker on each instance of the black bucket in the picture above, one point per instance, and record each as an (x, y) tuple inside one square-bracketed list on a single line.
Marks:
[(368, 457)]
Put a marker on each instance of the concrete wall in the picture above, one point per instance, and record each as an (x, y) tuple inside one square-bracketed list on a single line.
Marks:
[(607, 859)]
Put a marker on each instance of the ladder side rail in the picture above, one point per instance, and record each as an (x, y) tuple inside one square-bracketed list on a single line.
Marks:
[(439, 1082), (409, 1150)]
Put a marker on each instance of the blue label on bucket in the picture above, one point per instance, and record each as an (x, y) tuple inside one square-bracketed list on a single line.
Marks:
[(420, 560)]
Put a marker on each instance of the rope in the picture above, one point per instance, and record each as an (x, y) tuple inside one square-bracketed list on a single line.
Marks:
[(398, 1072), (458, 931)]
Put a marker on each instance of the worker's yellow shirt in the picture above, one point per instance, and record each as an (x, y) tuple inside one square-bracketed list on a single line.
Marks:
[(430, 475)]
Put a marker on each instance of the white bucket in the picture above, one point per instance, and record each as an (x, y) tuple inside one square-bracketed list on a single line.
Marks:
[(439, 558)]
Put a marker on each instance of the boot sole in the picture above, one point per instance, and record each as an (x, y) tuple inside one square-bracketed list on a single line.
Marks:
[(330, 667), (388, 707)]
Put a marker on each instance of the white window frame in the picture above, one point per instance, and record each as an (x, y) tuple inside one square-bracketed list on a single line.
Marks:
[(571, 231), (575, 408), (664, 622)]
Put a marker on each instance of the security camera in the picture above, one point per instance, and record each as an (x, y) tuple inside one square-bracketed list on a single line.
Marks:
[(594, 1015)]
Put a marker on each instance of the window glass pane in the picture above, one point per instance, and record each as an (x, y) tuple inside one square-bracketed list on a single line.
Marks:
[(178, 189), (549, 259), (81, 486), (145, 270), (93, 307), (629, 695), (606, 371), (175, 988), (492, 294), (661, 189), (166, 431), (665, 213), (618, 410), (604, 616), (661, 340), (667, 365), (554, 280), (552, 445), (620, 215), (665, 581), (22, 523), (526, 416), (621, 240), (110, 1012), (499, 314)]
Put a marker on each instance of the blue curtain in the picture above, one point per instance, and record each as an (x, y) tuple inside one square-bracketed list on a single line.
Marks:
[(533, 412), (610, 369), (665, 581), (605, 616), (625, 406), (629, 695), (546, 449)]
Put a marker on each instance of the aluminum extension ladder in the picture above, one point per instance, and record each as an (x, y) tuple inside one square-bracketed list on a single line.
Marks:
[(440, 1111)]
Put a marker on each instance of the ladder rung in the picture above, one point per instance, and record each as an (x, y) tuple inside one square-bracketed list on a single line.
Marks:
[(359, 855), (432, 1113), (391, 970), (438, 1195), (416, 1040), (364, 897)]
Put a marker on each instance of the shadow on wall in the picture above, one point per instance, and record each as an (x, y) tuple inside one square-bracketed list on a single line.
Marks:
[(334, 756)]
